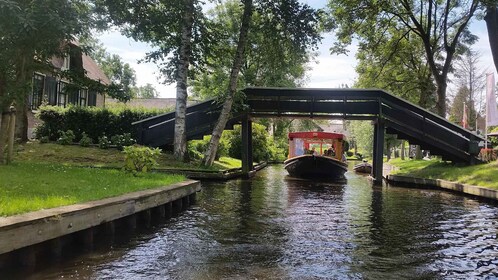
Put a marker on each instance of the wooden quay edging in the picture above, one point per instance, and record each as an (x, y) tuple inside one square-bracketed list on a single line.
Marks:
[(447, 185), (24, 230)]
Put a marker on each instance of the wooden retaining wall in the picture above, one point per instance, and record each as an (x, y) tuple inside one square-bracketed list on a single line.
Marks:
[(452, 186), (25, 230)]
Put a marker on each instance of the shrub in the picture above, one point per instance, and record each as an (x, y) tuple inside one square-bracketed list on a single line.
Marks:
[(140, 159), (95, 122), (44, 139), (104, 142), (264, 147), (122, 140), (85, 140), (197, 148), (66, 137)]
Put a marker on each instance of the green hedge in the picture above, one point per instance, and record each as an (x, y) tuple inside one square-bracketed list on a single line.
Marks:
[(95, 122)]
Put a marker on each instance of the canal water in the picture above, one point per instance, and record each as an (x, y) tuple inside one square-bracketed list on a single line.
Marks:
[(271, 227)]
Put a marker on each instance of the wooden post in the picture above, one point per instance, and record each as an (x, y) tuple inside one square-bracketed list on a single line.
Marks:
[(168, 207), (159, 213), (193, 198), (131, 222), (378, 153), (185, 202), (56, 248), (12, 130), (247, 165), (177, 206), (146, 218), (27, 257), (86, 239)]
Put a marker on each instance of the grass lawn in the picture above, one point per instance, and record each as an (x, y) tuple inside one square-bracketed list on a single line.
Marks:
[(93, 156), (484, 175), (50, 175), (29, 186)]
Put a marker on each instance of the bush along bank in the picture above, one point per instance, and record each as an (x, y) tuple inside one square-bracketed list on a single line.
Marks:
[(91, 122)]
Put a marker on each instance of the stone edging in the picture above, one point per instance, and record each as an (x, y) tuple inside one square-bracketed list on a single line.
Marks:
[(438, 183)]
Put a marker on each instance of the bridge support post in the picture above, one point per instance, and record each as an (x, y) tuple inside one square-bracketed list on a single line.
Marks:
[(378, 152), (247, 165)]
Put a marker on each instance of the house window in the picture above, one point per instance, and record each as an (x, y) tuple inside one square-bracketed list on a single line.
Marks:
[(51, 90), (62, 100), (66, 63), (73, 96), (92, 98), (83, 97), (37, 94)]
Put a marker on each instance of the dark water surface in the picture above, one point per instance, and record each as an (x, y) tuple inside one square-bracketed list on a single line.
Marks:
[(271, 227)]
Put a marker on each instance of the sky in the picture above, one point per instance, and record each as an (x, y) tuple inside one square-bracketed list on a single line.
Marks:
[(327, 71)]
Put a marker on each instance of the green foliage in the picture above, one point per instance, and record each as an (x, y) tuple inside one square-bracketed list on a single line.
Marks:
[(85, 141), (95, 122), (281, 40), (35, 29), (140, 159), (196, 148), (44, 139), (264, 148), (104, 142), (147, 91), (389, 30), (66, 137), (162, 28), (123, 140), (361, 135)]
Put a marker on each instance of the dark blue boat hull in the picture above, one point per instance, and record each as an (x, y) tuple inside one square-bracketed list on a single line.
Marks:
[(310, 166)]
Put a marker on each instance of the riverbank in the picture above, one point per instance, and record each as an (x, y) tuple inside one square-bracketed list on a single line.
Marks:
[(484, 175), (477, 180)]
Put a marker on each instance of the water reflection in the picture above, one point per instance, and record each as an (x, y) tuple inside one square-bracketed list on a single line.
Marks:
[(272, 227)]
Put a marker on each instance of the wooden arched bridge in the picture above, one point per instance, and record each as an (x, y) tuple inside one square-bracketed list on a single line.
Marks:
[(390, 114)]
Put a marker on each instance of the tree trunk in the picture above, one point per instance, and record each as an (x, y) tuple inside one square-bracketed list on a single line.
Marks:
[(418, 152), (441, 96), (491, 19), (22, 120), (11, 136), (180, 138), (232, 87), (4, 133), (402, 150)]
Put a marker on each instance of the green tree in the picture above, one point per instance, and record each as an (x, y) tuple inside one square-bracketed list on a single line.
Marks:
[(178, 32), (463, 96), (147, 91), (470, 79), (286, 22), (440, 26), (361, 133), (121, 74), (31, 33), (396, 64), (270, 59)]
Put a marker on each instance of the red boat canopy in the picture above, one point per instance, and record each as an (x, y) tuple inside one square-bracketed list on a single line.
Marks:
[(315, 135)]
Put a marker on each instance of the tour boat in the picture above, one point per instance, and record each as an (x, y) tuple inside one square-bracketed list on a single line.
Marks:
[(316, 155), (363, 167)]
